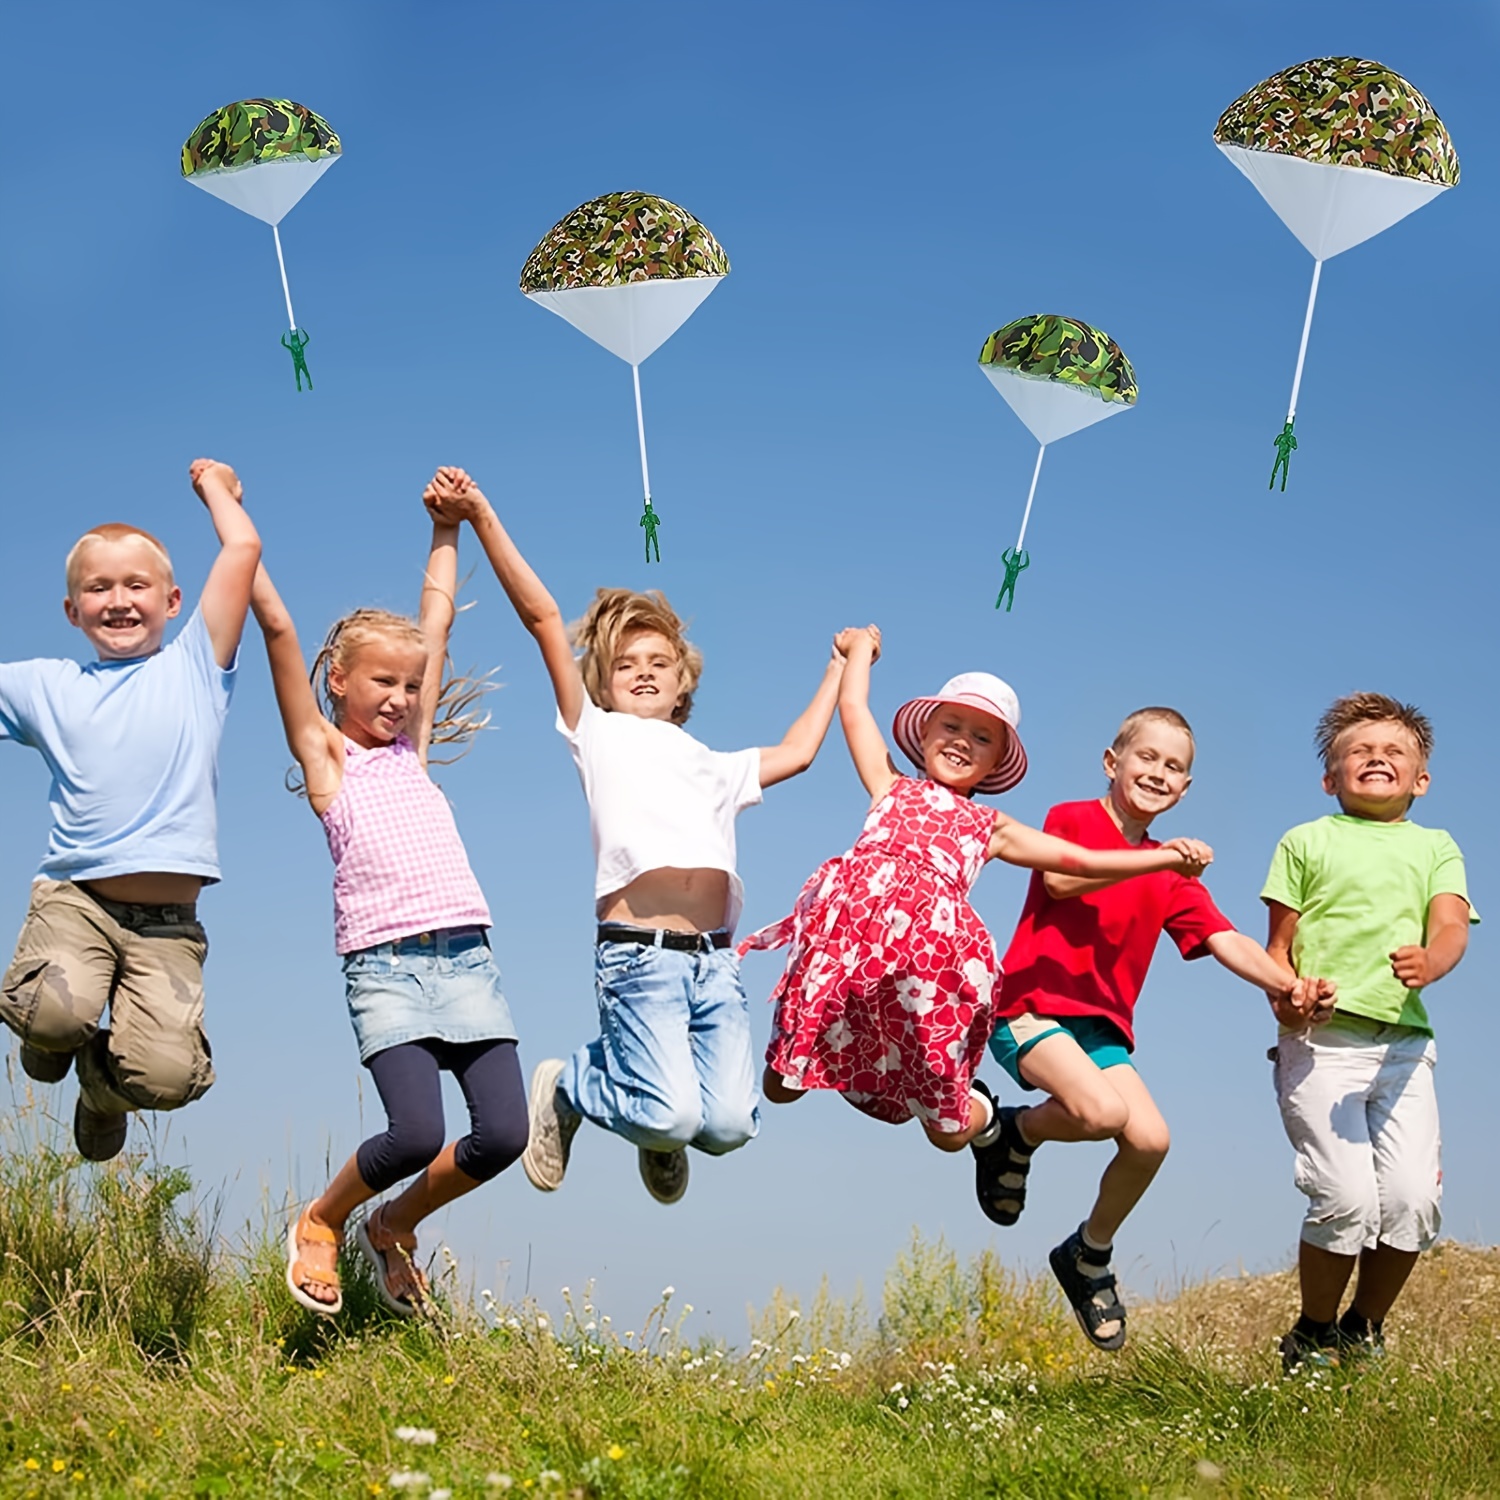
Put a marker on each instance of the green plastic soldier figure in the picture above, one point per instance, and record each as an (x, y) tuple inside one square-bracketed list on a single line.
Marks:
[(1285, 443), (299, 339), (1015, 564), (650, 520)]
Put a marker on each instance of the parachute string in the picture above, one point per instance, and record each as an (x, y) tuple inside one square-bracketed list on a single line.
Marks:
[(649, 519), (1036, 474), (1017, 559), (1286, 439), (286, 290)]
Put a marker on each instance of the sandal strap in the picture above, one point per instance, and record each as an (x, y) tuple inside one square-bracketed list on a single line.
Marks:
[(308, 1231), (384, 1239)]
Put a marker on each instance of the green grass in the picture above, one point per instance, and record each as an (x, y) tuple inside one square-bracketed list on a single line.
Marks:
[(142, 1355)]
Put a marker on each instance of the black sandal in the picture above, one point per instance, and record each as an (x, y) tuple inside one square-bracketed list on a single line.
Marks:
[(1000, 1170), (1084, 1291)]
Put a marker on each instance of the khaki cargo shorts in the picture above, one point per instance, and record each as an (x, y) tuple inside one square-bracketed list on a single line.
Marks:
[(79, 955)]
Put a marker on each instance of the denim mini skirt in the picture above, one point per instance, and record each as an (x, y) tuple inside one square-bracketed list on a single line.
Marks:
[(440, 986)]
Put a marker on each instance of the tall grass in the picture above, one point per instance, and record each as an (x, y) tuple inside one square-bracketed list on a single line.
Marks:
[(141, 1353)]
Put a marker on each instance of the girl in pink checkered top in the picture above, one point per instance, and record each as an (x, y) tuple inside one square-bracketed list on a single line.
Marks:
[(409, 921)]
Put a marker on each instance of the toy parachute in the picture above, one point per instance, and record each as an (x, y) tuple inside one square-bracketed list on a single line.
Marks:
[(627, 269), (1059, 376), (262, 155), (1341, 148)]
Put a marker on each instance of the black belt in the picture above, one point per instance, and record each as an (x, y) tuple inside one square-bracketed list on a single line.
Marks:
[(661, 937)]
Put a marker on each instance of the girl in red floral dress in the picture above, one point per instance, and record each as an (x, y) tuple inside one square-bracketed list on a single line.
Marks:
[(888, 993)]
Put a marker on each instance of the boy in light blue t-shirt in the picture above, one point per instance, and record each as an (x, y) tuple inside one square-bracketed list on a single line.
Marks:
[(132, 743), (1379, 905)]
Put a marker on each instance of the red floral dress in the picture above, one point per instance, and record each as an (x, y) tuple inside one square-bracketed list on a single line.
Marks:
[(888, 991)]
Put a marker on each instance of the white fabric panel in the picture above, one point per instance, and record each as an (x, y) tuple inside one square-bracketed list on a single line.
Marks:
[(631, 321), (1331, 208), (269, 190), (1050, 408)]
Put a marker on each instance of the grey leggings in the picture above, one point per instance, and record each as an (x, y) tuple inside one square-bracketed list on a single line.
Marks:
[(410, 1085)]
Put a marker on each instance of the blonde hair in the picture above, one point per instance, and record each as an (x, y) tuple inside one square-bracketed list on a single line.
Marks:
[(1153, 715), (113, 531), (1370, 708), (616, 614), (455, 720)]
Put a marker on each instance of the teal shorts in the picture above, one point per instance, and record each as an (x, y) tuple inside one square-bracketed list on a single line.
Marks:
[(1102, 1040)]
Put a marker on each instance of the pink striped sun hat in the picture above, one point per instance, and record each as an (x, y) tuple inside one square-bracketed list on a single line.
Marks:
[(978, 690)]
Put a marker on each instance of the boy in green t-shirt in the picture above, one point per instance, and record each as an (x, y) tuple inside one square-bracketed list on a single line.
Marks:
[(1379, 905)]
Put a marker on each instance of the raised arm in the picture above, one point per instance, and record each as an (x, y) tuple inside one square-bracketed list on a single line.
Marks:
[(315, 744), (867, 747), (800, 744), (226, 594), (1447, 940), (456, 498), (1018, 844), (435, 616)]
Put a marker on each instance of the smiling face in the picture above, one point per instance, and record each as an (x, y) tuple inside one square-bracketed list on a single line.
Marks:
[(1376, 769), (378, 689), (120, 595), (1150, 772), (961, 746), (645, 677)]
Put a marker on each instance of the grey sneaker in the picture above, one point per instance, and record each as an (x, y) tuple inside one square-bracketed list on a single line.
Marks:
[(553, 1126), (99, 1136), (45, 1067), (665, 1173)]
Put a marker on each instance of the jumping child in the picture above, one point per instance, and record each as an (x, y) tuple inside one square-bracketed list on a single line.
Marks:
[(409, 921), (132, 742), (1380, 904), (672, 1066), (889, 991), (1074, 971)]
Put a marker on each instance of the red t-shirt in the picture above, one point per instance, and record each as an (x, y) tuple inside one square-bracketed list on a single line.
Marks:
[(1088, 955)]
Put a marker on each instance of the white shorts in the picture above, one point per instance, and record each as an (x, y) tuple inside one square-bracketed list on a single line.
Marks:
[(1358, 1103)]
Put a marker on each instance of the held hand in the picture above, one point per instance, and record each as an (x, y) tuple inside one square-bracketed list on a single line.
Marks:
[(1194, 856), (846, 642), (1412, 966), (1308, 1003), (452, 497), (211, 469)]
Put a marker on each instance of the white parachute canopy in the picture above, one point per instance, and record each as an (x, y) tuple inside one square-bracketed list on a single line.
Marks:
[(270, 190), (632, 321), (1051, 409)]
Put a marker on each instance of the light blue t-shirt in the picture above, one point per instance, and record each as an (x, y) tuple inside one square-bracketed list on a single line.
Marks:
[(133, 747)]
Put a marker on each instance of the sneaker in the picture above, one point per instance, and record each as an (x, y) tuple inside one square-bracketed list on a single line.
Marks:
[(1358, 1349), (665, 1173), (98, 1134), (1298, 1351), (45, 1067), (553, 1125)]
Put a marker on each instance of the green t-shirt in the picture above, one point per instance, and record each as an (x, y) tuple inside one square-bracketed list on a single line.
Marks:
[(1362, 890)]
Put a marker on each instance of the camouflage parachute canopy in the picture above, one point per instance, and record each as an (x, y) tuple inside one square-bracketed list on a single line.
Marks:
[(1045, 346), (1346, 112), (622, 238), (257, 130)]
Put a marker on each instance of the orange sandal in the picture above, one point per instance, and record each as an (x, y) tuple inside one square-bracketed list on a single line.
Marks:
[(304, 1232), (377, 1243)]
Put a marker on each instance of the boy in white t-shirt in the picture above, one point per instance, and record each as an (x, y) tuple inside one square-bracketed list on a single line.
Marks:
[(673, 1064)]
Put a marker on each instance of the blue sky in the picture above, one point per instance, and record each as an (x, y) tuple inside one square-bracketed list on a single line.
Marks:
[(891, 185)]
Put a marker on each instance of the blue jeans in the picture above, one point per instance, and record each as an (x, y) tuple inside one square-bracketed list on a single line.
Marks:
[(673, 1065)]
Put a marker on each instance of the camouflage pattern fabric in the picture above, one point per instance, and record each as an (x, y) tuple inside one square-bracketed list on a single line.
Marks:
[(620, 238), (1048, 347), (1347, 112), (256, 130)]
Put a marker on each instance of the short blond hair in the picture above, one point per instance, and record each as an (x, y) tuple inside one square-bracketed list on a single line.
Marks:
[(1370, 708), (1153, 715), (617, 614), (113, 531)]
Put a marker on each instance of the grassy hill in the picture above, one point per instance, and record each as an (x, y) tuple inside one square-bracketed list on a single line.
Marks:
[(142, 1355)]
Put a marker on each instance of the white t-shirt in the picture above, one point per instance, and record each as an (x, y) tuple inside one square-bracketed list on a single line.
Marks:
[(658, 799)]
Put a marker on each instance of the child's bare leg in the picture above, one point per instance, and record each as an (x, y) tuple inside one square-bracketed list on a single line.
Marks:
[(955, 1140), (1141, 1148), (1323, 1275), (1083, 1102), (440, 1183), (777, 1090), (1382, 1274)]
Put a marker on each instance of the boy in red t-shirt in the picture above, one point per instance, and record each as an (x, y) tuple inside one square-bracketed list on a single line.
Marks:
[(1072, 977)]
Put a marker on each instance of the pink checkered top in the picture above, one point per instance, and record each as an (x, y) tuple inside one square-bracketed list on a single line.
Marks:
[(399, 866)]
